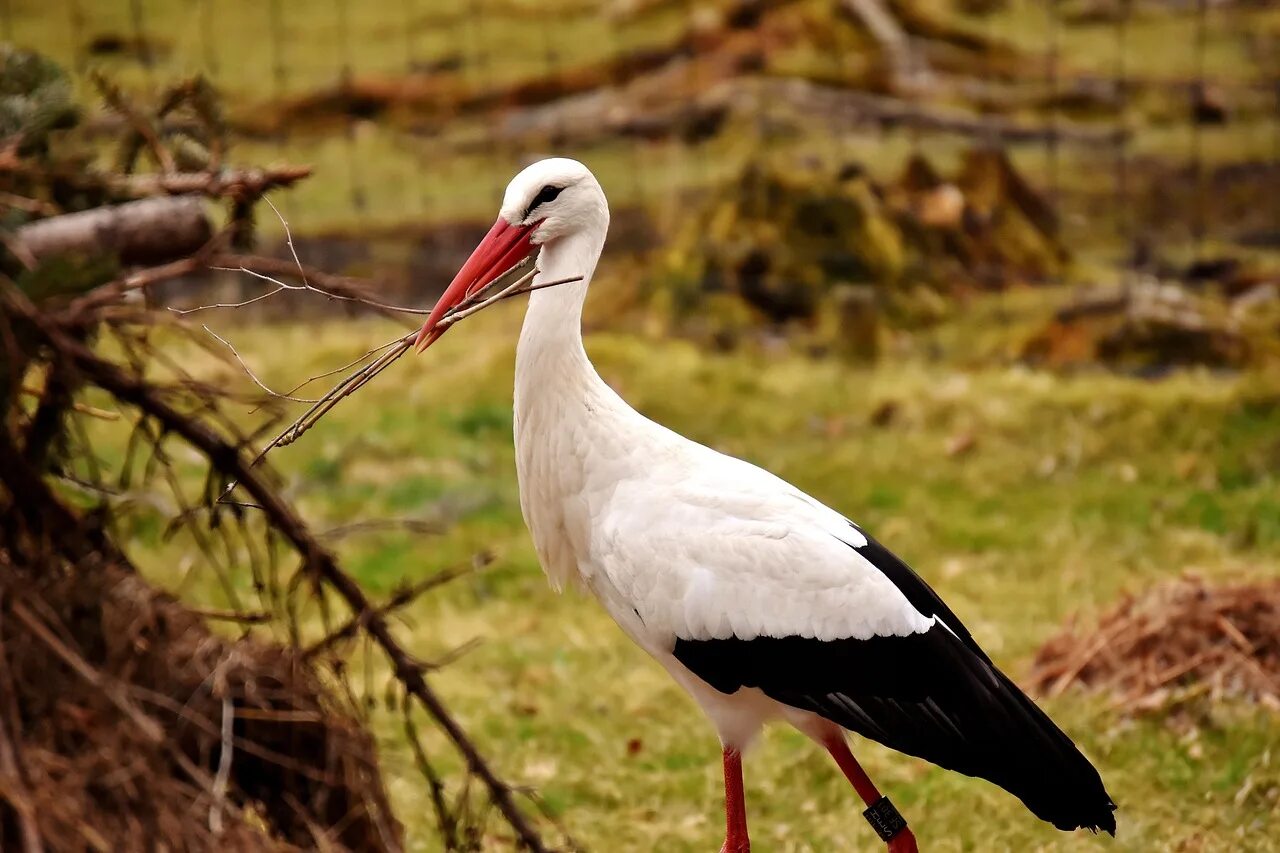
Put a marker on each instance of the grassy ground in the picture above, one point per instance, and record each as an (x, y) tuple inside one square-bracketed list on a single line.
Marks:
[(1076, 490)]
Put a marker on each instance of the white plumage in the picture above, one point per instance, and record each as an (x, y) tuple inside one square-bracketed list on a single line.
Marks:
[(712, 564)]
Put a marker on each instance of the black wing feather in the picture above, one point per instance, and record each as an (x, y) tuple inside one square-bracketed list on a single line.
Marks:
[(935, 695)]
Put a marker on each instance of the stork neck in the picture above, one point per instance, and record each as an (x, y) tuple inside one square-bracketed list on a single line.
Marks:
[(553, 322)]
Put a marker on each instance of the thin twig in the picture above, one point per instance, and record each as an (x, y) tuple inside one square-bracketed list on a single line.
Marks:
[(350, 364), (398, 600), (446, 819), (17, 797), (249, 371), (288, 237), (223, 776), (302, 273), (148, 727), (413, 525), (256, 617), (182, 312)]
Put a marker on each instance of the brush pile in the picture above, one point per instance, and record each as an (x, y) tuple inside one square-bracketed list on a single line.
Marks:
[(776, 246), (1150, 325), (127, 722), (1180, 641)]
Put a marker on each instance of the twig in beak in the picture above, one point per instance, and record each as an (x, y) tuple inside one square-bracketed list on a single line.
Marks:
[(391, 351)]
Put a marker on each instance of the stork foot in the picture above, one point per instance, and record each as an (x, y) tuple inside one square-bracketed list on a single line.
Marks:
[(903, 842)]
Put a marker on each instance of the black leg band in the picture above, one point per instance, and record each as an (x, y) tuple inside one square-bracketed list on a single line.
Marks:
[(885, 819)]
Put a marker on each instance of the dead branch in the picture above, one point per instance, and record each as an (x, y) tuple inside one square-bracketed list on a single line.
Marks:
[(130, 686), (319, 562), (111, 292), (218, 184), (228, 183), (143, 232)]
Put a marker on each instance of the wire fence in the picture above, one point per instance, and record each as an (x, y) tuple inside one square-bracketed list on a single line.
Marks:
[(1153, 126)]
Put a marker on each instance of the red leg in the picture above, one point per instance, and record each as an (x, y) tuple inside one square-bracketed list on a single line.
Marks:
[(904, 841), (735, 806)]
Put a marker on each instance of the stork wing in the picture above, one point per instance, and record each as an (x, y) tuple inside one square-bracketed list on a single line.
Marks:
[(731, 551), (767, 588)]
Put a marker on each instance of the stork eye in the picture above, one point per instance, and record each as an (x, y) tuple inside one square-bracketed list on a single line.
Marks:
[(546, 194)]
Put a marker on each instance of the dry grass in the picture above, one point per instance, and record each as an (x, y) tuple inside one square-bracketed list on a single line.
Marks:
[(1179, 642)]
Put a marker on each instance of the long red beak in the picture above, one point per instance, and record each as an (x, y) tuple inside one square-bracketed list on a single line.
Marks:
[(501, 249)]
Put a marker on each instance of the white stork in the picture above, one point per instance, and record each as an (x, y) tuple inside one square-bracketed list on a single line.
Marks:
[(760, 601)]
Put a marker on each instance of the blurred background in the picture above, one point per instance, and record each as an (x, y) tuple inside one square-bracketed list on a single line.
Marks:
[(1000, 279), (921, 145)]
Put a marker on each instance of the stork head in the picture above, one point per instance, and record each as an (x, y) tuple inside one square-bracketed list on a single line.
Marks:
[(548, 201)]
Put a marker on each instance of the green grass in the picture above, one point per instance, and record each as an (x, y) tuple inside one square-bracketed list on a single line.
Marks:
[(1078, 489)]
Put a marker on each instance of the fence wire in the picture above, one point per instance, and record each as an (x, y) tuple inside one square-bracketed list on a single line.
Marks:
[(420, 111)]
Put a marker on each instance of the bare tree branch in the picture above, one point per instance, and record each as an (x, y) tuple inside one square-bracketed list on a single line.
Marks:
[(319, 562)]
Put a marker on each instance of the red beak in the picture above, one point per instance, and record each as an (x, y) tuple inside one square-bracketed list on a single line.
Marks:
[(501, 249)]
